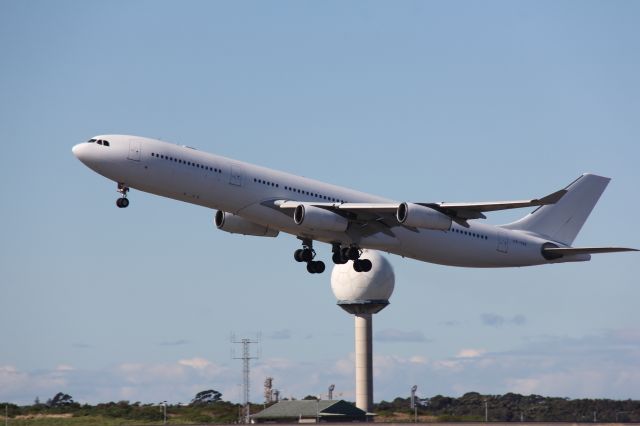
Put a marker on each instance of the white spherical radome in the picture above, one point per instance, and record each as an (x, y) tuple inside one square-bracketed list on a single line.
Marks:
[(376, 284)]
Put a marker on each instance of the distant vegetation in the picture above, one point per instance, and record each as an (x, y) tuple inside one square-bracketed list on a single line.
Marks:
[(512, 407), (208, 407)]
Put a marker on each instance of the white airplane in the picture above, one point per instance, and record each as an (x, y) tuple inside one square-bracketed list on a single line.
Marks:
[(254, 200)]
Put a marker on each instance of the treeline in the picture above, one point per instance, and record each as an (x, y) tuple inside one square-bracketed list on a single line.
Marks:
[(513, 407), (208, 407)]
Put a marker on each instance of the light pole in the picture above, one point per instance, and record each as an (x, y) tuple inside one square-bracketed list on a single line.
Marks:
[(414, 388), (486, 411), (164, 412)]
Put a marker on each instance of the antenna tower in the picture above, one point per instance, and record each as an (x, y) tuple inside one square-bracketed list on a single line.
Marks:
[(246, 357)]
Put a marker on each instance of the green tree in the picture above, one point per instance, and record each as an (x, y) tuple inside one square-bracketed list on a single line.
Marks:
[(61, 400), (206, 397)]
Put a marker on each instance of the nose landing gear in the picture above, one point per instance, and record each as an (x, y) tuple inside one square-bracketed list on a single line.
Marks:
[(122, 202)]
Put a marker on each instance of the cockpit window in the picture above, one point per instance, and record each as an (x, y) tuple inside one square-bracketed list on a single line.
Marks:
[(99, 142)]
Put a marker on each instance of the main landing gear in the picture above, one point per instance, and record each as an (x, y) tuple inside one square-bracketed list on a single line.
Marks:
[(306, 254), (341, 255), (122, 202)]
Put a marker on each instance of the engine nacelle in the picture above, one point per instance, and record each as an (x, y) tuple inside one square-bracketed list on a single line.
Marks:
[(319, 219), (422, 217), (229, 222)]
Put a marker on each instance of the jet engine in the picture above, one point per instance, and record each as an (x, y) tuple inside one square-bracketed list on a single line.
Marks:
[(229, 222), (312, 217), (422, 217)]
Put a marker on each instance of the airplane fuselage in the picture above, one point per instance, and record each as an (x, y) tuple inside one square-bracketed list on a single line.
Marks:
[(248, 191)]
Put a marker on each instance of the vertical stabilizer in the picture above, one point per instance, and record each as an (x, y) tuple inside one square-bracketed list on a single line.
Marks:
[(563, 220)]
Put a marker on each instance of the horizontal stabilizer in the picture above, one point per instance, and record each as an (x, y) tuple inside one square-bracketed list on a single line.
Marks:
[(570, 251)]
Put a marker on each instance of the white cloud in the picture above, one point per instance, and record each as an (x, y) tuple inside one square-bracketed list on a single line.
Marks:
[(418, 359), (64, 367), (470, 353), (198, 363)]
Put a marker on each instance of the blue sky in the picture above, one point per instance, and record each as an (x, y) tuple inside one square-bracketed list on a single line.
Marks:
[(417, 101)]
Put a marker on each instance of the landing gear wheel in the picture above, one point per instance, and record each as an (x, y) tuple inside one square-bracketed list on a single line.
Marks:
[(344, 252), (362, 265), (315, 267), (365, 265), (122, 202), (307, 255), (353, 253), (338, 259)]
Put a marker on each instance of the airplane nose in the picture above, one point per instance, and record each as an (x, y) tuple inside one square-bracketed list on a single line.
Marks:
[(76, 150), (82, 152)]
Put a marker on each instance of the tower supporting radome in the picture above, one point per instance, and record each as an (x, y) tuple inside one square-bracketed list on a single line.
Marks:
[(364, 362), (363, 294)]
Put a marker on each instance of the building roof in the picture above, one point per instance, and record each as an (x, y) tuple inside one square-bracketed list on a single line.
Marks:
[(310, 408)]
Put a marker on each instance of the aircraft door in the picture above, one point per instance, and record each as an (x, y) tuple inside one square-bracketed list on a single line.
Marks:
[(503, 242), (134, 150), (235, 178)]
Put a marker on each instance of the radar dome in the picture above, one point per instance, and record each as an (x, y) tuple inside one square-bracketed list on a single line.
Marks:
[(377, 284)]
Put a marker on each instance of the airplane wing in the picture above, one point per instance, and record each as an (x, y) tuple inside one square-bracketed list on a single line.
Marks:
[(459, 212), (475, 210), (568, 251)]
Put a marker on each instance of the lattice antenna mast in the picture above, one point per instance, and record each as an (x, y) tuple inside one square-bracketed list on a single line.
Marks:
[(246, 358)]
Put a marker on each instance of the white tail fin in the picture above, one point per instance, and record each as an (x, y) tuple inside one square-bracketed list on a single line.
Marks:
[(562, 221)]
